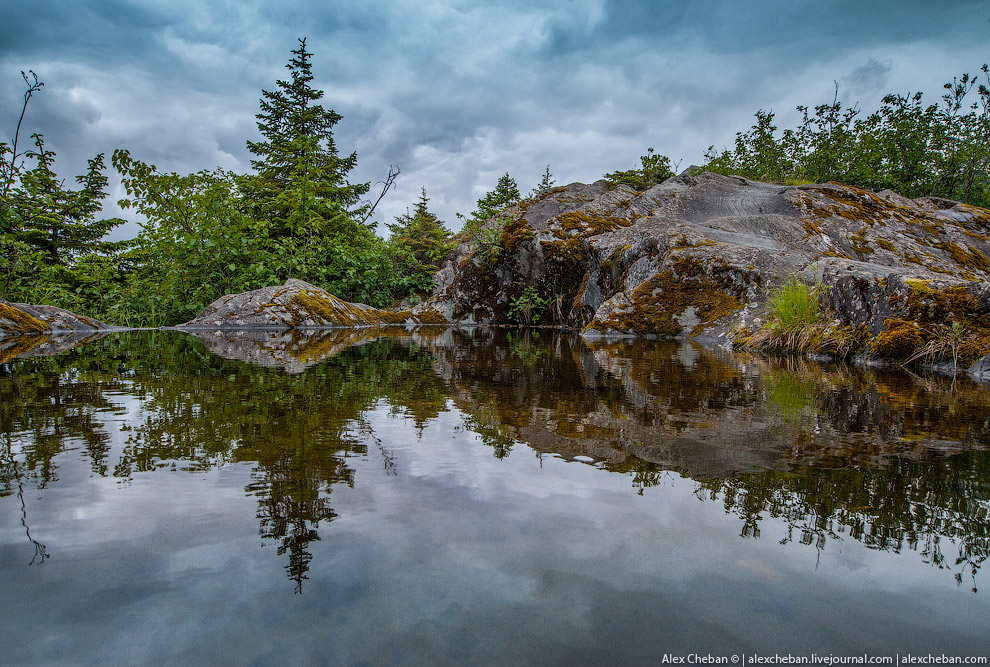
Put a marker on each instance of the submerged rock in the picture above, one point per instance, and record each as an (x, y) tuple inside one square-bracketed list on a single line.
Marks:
[(296, 305), (697, 256), (20, 319)]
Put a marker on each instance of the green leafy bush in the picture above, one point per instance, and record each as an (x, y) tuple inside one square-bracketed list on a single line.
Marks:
[(528, 307)]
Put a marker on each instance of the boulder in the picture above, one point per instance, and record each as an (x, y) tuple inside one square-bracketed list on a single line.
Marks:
[(19, 319), (297, 305), (980, 370)]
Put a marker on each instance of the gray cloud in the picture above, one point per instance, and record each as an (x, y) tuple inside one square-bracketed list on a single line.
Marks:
[(867, 79), (457, 93)]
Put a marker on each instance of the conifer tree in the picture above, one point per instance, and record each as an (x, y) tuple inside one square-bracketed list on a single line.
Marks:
[(301, 185), (61, 223), (421, 242), (545, 185), (45, 227), (505, 194)]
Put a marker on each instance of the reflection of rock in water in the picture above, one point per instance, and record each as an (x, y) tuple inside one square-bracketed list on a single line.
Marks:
[(871, 449), (293, 351), (704, 412), (44, 345), (863, 442)]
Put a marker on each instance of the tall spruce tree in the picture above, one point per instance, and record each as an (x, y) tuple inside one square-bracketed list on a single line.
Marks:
[(300, 186)]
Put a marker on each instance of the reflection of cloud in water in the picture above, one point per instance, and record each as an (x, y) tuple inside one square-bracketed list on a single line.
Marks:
[(829, 452)]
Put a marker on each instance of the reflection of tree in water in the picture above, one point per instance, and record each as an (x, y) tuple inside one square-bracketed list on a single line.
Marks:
[(909, 505), (641, 409), (43, 406), (200, 411), (11, 473), (299, 429)]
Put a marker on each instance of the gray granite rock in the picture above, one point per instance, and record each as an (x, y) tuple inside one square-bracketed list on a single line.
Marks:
[(294, 305), (697, 255)]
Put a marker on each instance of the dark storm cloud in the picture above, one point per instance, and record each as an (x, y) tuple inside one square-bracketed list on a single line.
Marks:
[(457, 93)]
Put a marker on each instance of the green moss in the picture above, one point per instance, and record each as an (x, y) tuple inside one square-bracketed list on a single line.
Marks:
[(859, 244), (684, 244), (19, 321), (970, 258), (836, 253), (886, 245), (862, 206), (812, 228), (928, 305)]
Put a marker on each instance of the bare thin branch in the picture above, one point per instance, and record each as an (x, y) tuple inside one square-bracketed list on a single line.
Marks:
[(393, 173)]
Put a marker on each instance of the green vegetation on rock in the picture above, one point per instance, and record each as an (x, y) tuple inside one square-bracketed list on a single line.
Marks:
[(914, 148)]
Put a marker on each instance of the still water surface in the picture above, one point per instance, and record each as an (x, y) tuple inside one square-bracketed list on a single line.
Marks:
[(475, 497)]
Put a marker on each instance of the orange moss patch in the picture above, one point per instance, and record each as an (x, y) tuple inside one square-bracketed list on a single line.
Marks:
[(431, 317), (327, 311), (590, 223), (20, 346), (900, 340), (515, 232)]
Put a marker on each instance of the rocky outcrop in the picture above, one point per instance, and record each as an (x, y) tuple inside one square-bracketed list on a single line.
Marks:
[(297, 305), (20, 319), (697, 256)]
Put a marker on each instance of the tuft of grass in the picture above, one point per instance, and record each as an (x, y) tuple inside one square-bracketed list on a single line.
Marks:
[(794, 304), (795, 323), (943, 344)]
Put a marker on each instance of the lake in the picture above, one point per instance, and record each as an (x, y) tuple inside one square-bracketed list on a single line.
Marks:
[(481, 496)]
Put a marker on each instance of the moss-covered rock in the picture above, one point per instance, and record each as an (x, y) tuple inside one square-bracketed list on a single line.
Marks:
[(21, 319), (698, 255), (299, 305)]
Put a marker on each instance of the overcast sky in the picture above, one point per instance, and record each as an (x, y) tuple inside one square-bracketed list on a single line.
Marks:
[(457, 93)]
